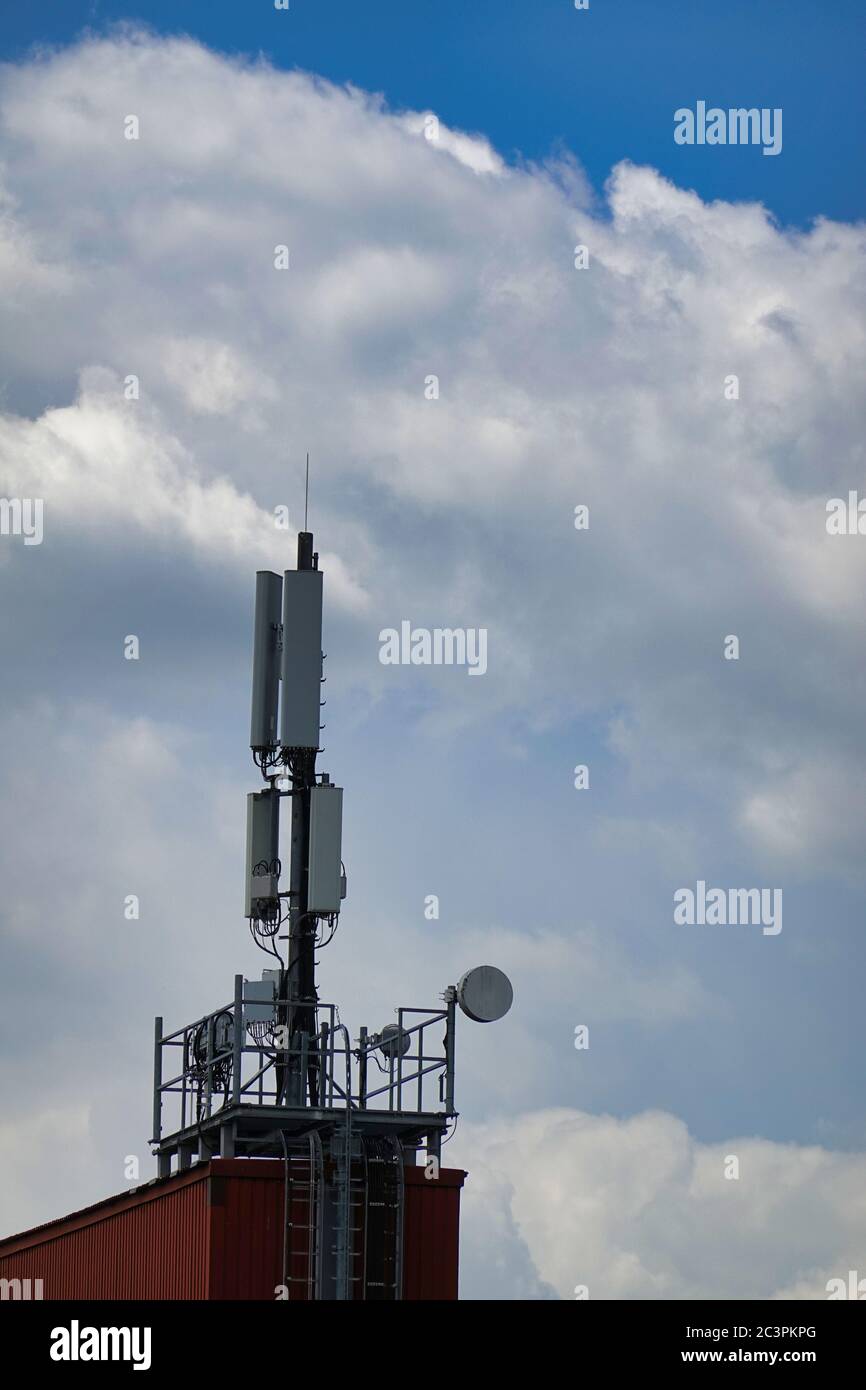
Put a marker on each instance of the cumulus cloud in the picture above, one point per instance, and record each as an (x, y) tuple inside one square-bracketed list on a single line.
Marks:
[(104, 469), (638, 1209), (556, 386)]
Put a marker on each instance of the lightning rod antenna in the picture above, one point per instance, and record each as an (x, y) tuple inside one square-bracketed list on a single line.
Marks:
[(307, 491)]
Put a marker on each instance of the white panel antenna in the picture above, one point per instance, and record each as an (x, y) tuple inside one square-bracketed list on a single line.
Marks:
[(325, 879), (263, 850), (266, 661), (302, 659)]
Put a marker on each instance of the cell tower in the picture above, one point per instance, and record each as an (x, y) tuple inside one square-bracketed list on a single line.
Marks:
[(274, 1072)]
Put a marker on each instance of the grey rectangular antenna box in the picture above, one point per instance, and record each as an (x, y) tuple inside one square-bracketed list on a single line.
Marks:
[(263, 836), (259, 997), (266, 660), (326, 838), (302, 659)]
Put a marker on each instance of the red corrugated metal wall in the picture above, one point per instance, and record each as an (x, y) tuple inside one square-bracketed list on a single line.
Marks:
[(151, 1244), (216, 1232), (431, 1234), (246, 1224)]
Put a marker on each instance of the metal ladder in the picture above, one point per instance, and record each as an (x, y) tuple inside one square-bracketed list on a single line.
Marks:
[(347, 1205), (303, 1234), (353, 1201), (383, 1219)]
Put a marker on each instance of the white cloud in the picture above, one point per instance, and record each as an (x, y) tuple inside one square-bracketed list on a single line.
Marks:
[(473, 151), (636, 1208), (557, 385), (789, 818), (211, 376), (106, 468)]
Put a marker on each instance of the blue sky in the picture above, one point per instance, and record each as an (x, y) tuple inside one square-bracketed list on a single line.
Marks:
[(536, 74), (602, 386)]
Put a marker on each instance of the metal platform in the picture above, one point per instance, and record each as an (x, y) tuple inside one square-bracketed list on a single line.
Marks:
[(253, 1131), (228, 1095)]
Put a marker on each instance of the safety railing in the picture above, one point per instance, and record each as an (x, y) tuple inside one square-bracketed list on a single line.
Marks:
[(233, 1057)]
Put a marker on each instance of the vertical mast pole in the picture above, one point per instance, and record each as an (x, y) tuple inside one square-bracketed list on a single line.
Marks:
[(301, 966)]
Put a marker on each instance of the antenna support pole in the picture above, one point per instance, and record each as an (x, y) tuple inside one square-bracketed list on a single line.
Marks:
[(300, 976)]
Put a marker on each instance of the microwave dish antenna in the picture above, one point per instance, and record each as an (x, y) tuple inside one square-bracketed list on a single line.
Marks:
[(485, 994)]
